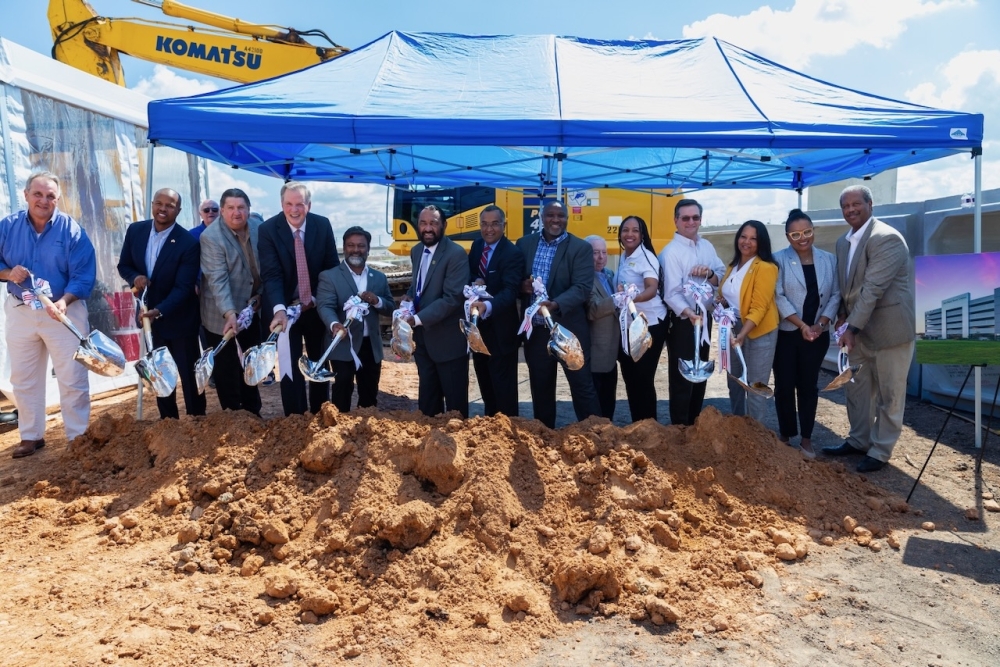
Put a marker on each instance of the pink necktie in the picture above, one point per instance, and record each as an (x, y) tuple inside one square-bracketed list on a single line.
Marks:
[(305, 291), (484, 261)]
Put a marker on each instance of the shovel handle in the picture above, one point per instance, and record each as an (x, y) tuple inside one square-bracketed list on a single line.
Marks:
[(47, 302), (339, 336), (544, 312)]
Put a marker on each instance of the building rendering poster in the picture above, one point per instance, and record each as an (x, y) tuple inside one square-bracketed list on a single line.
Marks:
[(958, 309)]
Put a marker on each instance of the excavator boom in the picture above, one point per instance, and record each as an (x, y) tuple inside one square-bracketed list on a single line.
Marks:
[(237, 51)]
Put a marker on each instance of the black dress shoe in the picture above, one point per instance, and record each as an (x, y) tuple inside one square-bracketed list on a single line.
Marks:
[(868, 464), (842, 450)]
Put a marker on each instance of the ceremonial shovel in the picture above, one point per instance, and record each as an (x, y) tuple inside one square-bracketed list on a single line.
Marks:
[(258, 361), (471, 330), (316, 371), (847, 371), (97, 352), (758, 388), (206, 364), (639, 338), (157, 369), (563, 343), (696, 370)]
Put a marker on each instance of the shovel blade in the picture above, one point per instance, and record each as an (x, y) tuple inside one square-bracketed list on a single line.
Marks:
[(761, 390), (314, 371), (846, 376), (475, 338), (203, 370), (101, 355), (566, 347), (259, 362), (696, 371), (639, 338)]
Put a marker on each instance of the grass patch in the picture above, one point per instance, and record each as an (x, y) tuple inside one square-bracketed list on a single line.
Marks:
[(958, 352)]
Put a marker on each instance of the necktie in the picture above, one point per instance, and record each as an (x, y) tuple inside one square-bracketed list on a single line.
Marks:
[(421, 272), (484, 261), (302, 269)]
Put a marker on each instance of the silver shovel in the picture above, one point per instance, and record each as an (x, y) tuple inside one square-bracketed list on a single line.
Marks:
[(157, 369), (316, 371), (696, 370), (758, 388), (97, 352), (206, 364), (847, 372), (563, 343), (471, 330), (258, 361), (639, 338)]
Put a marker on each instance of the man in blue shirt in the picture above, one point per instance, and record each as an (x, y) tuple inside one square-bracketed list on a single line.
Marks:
[(51, 246)]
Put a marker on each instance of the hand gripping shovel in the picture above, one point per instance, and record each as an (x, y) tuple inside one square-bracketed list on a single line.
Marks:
[(316, 371), (471, 330), (696, 370), (97, 352), (258, 361), (563, 343), (758, 388), (206, 364), (847, 372), (639, 338), (157, 369)]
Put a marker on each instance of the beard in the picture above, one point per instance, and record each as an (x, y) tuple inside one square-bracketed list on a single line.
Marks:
[(356, 261)]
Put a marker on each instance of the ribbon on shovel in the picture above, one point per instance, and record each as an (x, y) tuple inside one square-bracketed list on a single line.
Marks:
[(622, 300), (474, 293), (243, 321), (541, 294), (284, 351), (700, 291), (725, 318), (355, 310)]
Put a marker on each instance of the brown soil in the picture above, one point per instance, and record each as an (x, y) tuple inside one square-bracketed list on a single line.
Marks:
[(396, 539)]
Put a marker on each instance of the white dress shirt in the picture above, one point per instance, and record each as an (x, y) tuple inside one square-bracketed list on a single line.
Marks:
[(634, 269), (854, 238), (361, 282), (734, 285), (678, 259)]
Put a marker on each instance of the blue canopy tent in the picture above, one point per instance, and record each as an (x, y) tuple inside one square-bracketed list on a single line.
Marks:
[(515, 111)]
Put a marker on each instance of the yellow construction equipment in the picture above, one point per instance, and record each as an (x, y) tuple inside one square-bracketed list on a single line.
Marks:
[(230, 49)]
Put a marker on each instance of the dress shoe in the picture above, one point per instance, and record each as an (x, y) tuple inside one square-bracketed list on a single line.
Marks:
[(27, 448), (842, 450), (868, 464)]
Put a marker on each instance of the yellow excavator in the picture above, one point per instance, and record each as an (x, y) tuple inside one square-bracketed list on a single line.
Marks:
[(231, 49)]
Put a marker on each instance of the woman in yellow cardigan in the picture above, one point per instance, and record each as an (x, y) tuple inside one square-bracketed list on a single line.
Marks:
[(748, 286)]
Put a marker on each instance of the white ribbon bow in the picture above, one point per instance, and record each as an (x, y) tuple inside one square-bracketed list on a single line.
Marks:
[(284, 351), (726, 318), (541, 294), (243, 320), (622, 300), (474, 293), (701, 291), (404, 311), (355, 310), (839, 333)]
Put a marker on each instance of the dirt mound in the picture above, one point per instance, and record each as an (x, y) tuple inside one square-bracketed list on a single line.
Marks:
[(397, 531)]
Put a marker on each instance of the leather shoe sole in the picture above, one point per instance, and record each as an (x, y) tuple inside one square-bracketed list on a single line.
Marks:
[(842, 450), (868, 464), (27, 448)]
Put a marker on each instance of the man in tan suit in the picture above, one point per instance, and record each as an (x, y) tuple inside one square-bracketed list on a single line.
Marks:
[(873, 268)]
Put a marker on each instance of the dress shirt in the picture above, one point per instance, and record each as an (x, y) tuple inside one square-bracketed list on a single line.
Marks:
[(154, 245), (732, 288), (678, 258), (62, 254), (634, 269), (544, 254), (361, 282), (281, 306), (425, 264), (854, 238), (488, 302)]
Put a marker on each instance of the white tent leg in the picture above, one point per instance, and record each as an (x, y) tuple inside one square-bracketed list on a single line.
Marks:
[(977, 235), (559, 195), (148, 202)]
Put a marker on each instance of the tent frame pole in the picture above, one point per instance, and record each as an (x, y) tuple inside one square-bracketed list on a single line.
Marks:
[(977, 235), (147, 203)]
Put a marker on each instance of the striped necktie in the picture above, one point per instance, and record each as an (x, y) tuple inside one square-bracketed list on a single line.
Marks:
[(302, 270), (484, 261)]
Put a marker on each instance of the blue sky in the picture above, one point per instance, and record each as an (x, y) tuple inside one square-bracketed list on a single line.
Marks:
[(943, 53)]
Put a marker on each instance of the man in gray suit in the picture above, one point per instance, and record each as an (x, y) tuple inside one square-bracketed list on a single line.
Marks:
[(230, 279), (605, 337), (353, 277), (565, 264), (440, 272), (873, 267)]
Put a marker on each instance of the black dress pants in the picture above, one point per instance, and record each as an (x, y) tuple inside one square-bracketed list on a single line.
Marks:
[(640, 376), (686, 397), (497, 375), (309, 328), (796, 372), (606, 386), (233, 392), (185, 351), (367, 378), (542, 379)]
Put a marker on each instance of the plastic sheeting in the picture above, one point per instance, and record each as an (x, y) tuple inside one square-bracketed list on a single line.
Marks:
[(504, 111)]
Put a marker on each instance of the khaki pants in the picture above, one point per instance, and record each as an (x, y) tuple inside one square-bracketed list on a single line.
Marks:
[(877, 397), (33, 336)]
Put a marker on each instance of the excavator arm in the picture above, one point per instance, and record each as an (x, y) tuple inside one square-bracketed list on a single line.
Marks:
[(232, 50)]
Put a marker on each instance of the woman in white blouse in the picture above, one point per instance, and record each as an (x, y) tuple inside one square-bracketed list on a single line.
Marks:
[(639, 266)]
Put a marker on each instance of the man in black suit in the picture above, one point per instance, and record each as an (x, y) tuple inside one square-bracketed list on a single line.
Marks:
[(163, 258), (441, 272), (295, 246), (565, 265), (499, 265)]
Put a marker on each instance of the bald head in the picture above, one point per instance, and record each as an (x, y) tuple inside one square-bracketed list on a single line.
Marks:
[(166, 205)]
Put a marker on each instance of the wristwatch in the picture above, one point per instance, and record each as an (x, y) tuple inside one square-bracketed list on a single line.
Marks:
[(853, 329)]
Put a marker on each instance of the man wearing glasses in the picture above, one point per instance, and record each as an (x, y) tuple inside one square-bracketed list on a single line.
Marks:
[(208, 211), (686, 257)]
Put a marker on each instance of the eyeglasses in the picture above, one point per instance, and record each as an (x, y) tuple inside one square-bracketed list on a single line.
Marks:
[(804, 234), (210, 209), (690, 218)]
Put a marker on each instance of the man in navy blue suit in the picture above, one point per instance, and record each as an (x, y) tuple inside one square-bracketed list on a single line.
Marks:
[(162, 257)]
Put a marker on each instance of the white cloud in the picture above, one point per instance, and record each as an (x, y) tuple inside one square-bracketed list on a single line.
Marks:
[(166, 83), (947, 176), (734, 207), (818, 27), (967, 77)]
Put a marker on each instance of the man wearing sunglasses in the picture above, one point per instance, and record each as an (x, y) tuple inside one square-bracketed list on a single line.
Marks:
[(686, 257), (208, 212)]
